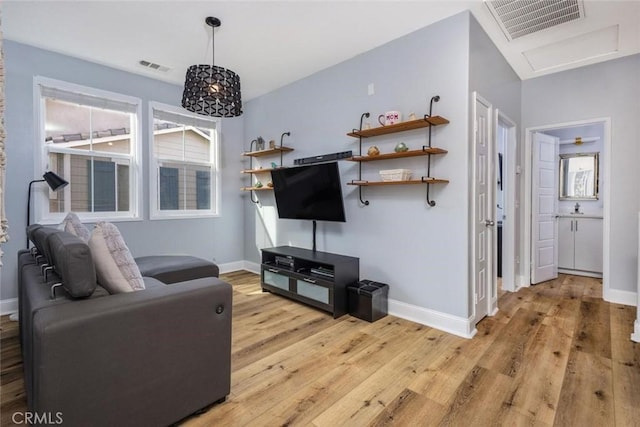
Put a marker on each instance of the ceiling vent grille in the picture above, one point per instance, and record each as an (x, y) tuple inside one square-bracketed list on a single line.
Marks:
[(153, 66), (518, 18)]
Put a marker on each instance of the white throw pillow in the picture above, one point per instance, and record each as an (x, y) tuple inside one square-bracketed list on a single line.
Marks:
[(115, 267), (73, 225)]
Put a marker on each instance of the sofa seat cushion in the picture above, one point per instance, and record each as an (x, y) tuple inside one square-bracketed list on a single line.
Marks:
[(176, 268)]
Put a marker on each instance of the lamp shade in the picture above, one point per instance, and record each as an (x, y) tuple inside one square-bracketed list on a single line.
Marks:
[(212, 91), (55, 182)]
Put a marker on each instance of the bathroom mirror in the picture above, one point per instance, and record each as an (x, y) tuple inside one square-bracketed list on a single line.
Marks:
[(579, 176)]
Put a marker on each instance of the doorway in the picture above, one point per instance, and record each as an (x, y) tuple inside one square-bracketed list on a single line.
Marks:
[(597, 208)]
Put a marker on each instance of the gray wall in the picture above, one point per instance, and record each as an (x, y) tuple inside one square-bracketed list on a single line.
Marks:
[(609, 89), (493, 78), (420, 251), (219, 238)]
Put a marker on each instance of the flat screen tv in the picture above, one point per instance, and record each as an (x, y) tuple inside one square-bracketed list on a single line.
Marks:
[(309, 192)]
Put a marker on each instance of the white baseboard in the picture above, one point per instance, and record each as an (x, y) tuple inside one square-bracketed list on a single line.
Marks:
[(620, 297), (8, 306), (452, 324), (253, 267), (228, 267), (635, 336)]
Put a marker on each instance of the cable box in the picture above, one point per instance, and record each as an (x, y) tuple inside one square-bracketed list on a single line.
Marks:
[(285, 261), (326, 272)]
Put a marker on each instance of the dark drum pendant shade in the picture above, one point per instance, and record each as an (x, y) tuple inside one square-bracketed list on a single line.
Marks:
[(211, 90)]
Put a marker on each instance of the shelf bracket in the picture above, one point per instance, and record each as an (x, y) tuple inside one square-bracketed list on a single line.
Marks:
[(435, 98), (282, 152), (364, 202), (255, 141), (430, 202)]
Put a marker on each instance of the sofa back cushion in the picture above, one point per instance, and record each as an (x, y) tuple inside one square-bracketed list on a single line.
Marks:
[(73, 263), (39, 237), (116, 269)]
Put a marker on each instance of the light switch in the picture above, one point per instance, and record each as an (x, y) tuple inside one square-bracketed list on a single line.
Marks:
[(370, 89)]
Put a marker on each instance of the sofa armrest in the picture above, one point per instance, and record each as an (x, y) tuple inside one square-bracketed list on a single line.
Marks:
[(149, 357)]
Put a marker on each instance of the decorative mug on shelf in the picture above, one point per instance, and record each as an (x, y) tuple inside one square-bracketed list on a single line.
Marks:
[(390, 118)]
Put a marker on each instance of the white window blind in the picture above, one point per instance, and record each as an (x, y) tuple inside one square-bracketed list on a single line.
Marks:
[(185, 120), (88, 100)]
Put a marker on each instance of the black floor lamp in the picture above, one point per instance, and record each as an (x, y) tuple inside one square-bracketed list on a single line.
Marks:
[(55, 183)]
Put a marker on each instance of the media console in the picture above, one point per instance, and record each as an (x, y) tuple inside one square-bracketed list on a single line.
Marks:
[(318, 279)]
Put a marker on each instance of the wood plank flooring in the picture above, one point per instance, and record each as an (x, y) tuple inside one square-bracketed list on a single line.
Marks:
[(554, 355)]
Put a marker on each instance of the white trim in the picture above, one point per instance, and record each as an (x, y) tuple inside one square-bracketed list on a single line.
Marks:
[(636, 332), (229, 267), (617, 296), (606, 197), (154, 210), (460, 326), (39, 201), (253, 267), (579, 273), (8, 306), (509, 266)]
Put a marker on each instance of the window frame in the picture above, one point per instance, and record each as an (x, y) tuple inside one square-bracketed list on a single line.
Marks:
[(41, 159), (155, 213)]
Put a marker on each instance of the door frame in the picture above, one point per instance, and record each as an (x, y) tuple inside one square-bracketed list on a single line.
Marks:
[(606, 197), (491, 283), (509, 266)]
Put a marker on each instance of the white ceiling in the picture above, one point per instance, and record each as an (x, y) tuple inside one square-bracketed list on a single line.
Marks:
[(273, 43)]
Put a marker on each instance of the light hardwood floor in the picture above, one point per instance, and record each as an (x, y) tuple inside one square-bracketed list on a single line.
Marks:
[(555, 354)]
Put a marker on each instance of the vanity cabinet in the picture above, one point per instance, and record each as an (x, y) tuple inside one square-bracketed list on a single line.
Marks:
[(580, 245)]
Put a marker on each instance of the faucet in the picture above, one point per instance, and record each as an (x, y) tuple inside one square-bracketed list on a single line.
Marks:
[(576, 208)]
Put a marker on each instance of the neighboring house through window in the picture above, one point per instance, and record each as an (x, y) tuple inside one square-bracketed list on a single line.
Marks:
[(90, 138), (184, 171)]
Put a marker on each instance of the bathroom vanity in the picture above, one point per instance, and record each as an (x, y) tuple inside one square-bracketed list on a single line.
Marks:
[(580, 244)]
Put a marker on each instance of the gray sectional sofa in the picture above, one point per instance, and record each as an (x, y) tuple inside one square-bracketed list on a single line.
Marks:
[(145, 358)]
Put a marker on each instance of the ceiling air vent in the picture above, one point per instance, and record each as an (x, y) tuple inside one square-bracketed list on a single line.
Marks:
[(518, 18), (153, 66)]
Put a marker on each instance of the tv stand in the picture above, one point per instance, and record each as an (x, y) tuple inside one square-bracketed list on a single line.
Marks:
[(318, 279)]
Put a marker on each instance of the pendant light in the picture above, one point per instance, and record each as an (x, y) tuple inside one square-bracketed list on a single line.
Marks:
[(211, 90)]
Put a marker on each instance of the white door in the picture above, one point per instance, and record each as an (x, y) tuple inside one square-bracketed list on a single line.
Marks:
[(483, 207), (545, 194)]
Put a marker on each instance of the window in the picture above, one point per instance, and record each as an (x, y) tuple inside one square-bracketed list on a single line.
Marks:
[(90, 138), (184, 172)]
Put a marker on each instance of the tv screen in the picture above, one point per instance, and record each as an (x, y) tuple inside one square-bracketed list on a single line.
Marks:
[(309, 192)]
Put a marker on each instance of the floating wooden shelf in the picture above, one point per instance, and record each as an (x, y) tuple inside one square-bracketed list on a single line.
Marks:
[(259, 170), (267, 152), (408, 182), (400, 127), (412, 153), (256, 188)]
